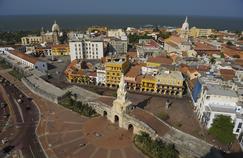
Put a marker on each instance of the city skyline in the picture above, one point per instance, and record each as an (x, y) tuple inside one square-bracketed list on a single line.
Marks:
[(217, 8)]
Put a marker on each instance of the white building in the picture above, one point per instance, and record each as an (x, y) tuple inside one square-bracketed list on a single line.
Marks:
[(101, 73), (146, 70), (213, 99), (180, 43), (118, 33), (21, 60), (86, 49)]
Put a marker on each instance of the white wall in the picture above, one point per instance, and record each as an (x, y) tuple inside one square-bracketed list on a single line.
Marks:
[(86, 49), (100, 76)]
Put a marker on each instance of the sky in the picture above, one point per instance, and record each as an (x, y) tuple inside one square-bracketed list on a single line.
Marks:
[(220, 8)]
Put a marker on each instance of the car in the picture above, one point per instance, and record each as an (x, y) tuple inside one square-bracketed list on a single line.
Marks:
[(20, 101), (4, 140)]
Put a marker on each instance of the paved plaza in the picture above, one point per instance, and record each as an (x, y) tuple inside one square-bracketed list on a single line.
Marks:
[(65, 134)]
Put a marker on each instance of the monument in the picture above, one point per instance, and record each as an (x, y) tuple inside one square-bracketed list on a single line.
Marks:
[(121, 104)]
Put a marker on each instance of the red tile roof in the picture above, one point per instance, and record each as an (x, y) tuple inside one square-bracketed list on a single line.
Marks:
[(227, 74), (134, 71), (204, 46), (160, 60), (24, 56)]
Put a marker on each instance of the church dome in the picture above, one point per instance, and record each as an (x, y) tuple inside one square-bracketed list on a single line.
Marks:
[(185, 25), (55, 27)]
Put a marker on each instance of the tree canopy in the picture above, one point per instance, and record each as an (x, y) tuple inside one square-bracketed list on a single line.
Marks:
[(155, 148), (15, 37), (134, 38), (222, 129), (229, 43)]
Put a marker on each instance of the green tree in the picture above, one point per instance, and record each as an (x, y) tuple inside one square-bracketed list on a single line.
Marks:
[(222, 55), (155, 148), (165, 35), (222, 129), (64, 38), (237, 32), (229, 43), (14, 37), (134, 38), (212, 60)]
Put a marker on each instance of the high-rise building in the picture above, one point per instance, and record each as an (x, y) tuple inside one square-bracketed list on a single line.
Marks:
[(86, 49)]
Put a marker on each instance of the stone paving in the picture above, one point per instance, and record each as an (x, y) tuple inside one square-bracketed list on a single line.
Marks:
[(66, 134)]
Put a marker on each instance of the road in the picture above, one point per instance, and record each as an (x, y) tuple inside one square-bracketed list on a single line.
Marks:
[(26, 119)]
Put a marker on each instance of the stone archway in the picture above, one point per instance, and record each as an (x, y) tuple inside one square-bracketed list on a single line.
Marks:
[(105, 113), (130, 128), (116, 119)]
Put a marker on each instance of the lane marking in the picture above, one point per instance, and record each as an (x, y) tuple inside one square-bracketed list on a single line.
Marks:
[(19, 109), (31, 151)]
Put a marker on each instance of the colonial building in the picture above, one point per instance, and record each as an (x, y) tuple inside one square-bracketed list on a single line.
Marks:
[(23, 60), (184, 32), (170, 83), (48, 37), (29, 40), (179, 43), (197, 32), (114, 66), (60, 49), (75, 72), (148, 84), (148, 47), (51, 37)]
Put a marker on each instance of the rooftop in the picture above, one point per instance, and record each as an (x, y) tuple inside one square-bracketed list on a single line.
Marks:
[(220, 90), (160, 60), (24, 56), (172, 74)]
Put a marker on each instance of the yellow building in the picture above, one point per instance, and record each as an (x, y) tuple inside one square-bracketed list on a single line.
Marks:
[(114, 67), (170, 83), (60, 49), (100, 29), (196, 32), (148, 84), (31, 40)]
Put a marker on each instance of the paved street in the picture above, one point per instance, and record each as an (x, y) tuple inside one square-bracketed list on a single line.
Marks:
[(23, 126)]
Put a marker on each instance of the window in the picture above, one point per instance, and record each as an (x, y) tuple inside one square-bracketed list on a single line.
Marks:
[(240, 125), (238, 130)]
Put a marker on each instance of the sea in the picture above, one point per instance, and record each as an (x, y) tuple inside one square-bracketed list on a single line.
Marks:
[(81, 22)]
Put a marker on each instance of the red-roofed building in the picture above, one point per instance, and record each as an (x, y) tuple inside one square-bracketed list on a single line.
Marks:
[(227, 74), (159, 61), (205, 49)]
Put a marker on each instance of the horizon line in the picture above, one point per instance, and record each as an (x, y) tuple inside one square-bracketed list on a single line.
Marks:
[(72, 14)]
